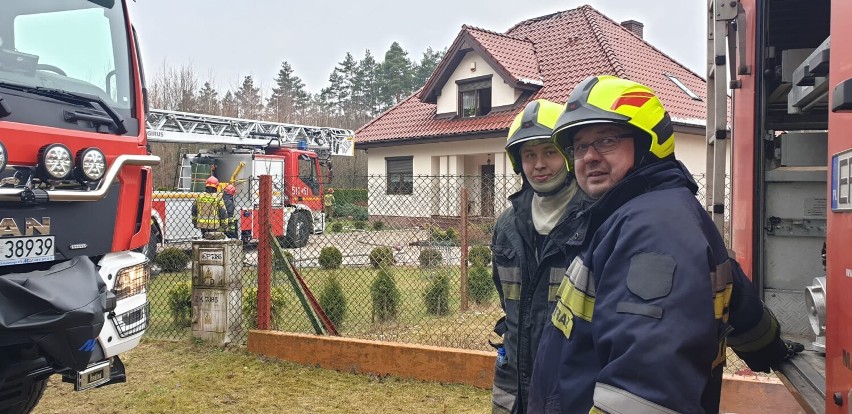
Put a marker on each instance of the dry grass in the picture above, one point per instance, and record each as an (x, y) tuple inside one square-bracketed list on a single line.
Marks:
[(184, 377)]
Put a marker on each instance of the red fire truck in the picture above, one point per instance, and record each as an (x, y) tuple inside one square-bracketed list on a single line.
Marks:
[(298, 157), (75, 185), (788, 67)]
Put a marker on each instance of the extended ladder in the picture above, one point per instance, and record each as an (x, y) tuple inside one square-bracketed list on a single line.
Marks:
[(184, 127)]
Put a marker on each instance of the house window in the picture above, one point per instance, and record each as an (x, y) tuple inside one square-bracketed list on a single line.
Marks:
[(683, 87), (474, 97), (400, 172)]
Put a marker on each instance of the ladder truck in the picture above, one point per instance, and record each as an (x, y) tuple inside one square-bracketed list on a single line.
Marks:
[(787, 66), (75, 192), (298, 157)]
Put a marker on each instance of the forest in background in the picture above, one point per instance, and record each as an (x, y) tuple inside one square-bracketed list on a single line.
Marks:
[(358, 90)]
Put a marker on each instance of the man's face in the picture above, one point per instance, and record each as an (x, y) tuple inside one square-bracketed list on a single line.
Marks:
[(597, 173), (541, 160)]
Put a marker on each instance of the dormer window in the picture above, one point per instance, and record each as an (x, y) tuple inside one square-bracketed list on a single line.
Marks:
[(474, 96)]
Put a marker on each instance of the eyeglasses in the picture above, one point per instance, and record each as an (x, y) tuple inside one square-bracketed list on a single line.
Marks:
[(602, 146)]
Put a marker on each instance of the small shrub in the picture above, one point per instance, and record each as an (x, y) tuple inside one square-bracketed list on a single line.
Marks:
[(480, 286), (385, 296), (330, 258), (333, 301), (336, 227), (378, 225), (360, 213), (437, 296), (381, 256), (343, 210), (180, 303), (278, 264), (479, 256), (452, 236), (278, 299), (436, 234), (360, 225), (430, 258), (172, 260)]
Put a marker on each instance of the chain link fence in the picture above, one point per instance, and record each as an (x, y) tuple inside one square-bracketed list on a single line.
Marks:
[(384, 262)]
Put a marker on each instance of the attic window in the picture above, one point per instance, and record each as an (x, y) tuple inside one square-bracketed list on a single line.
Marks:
[(683, 87), (474, 97)]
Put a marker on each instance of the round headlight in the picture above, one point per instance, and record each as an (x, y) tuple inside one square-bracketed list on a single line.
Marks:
[(55, 161), (91, 164), (4, 157)]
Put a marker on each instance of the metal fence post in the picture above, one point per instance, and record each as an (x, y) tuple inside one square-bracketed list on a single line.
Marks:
[(463, 225), (264, 256)]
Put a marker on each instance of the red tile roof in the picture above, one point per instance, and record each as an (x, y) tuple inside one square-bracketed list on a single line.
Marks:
[(560, 49)]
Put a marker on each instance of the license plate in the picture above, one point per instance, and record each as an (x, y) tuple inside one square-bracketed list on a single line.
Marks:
[(20, 250)]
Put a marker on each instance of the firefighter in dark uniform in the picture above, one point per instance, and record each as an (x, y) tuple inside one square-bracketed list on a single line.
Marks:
[(529, 248), (231, 222), (208, 211), (643, 314)]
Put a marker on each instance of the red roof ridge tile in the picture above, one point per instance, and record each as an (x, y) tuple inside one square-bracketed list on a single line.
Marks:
[(479, 29), (599, 14), (545, 17), (597, 31)]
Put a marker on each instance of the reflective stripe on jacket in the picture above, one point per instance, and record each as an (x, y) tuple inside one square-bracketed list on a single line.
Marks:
[(526, 277), (210, 210), (642, 314)]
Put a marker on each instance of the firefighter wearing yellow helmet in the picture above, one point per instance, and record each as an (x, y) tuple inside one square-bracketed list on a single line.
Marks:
[(643, 312), (529, 246)]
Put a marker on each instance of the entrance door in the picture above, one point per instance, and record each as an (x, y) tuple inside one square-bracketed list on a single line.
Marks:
[(486, 185)]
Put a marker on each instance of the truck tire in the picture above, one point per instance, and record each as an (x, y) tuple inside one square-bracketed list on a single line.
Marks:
[(31, 397), (298, 231)]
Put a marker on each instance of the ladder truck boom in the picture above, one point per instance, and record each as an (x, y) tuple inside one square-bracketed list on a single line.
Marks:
[(190, 128)]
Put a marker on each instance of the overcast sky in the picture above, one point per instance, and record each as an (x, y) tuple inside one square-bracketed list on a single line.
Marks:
[(232, 39)]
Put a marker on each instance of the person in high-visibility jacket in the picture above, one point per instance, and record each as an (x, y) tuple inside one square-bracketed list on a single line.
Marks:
[(644, 313), (208, 211), (231, 222), (328, 201)]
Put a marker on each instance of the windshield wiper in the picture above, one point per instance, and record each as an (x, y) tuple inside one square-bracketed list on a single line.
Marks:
[(76, 97)]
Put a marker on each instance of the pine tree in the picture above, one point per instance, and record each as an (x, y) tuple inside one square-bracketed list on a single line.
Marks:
[(230, 106), (396, 75), (426, 66), (249, 101), (366, 89), (208, 99), (289, 100)]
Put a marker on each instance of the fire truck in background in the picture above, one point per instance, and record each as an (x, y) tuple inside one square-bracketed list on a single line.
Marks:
[(75, 192), (788, 67), (298, 157)]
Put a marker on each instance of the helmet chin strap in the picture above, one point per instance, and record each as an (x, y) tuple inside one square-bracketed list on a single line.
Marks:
[(551, 186)]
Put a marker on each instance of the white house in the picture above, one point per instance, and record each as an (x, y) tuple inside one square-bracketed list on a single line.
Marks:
[(456, 125)]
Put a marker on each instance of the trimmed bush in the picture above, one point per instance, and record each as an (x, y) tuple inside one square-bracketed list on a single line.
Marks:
[(479, 256), (330, 258), (385, 296), (437, 296), (360, 213), (360, 225), (430, 258), (378, 225), (180, 303), (333, 301), (436, 234), (278, 264), (350, 195), (172, 260), (278, 299), (480, 286), (336, 227), (381, 256), (452, 236)]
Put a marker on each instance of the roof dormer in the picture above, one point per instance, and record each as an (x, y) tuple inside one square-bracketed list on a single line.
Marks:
[(482, 70)]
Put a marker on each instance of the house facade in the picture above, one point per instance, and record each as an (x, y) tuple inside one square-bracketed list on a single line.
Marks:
[(450, 135)]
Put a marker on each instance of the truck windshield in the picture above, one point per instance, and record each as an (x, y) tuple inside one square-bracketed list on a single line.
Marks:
[(79, 46)]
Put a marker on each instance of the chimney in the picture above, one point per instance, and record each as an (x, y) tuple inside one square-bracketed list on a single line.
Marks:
[(634, 26)]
